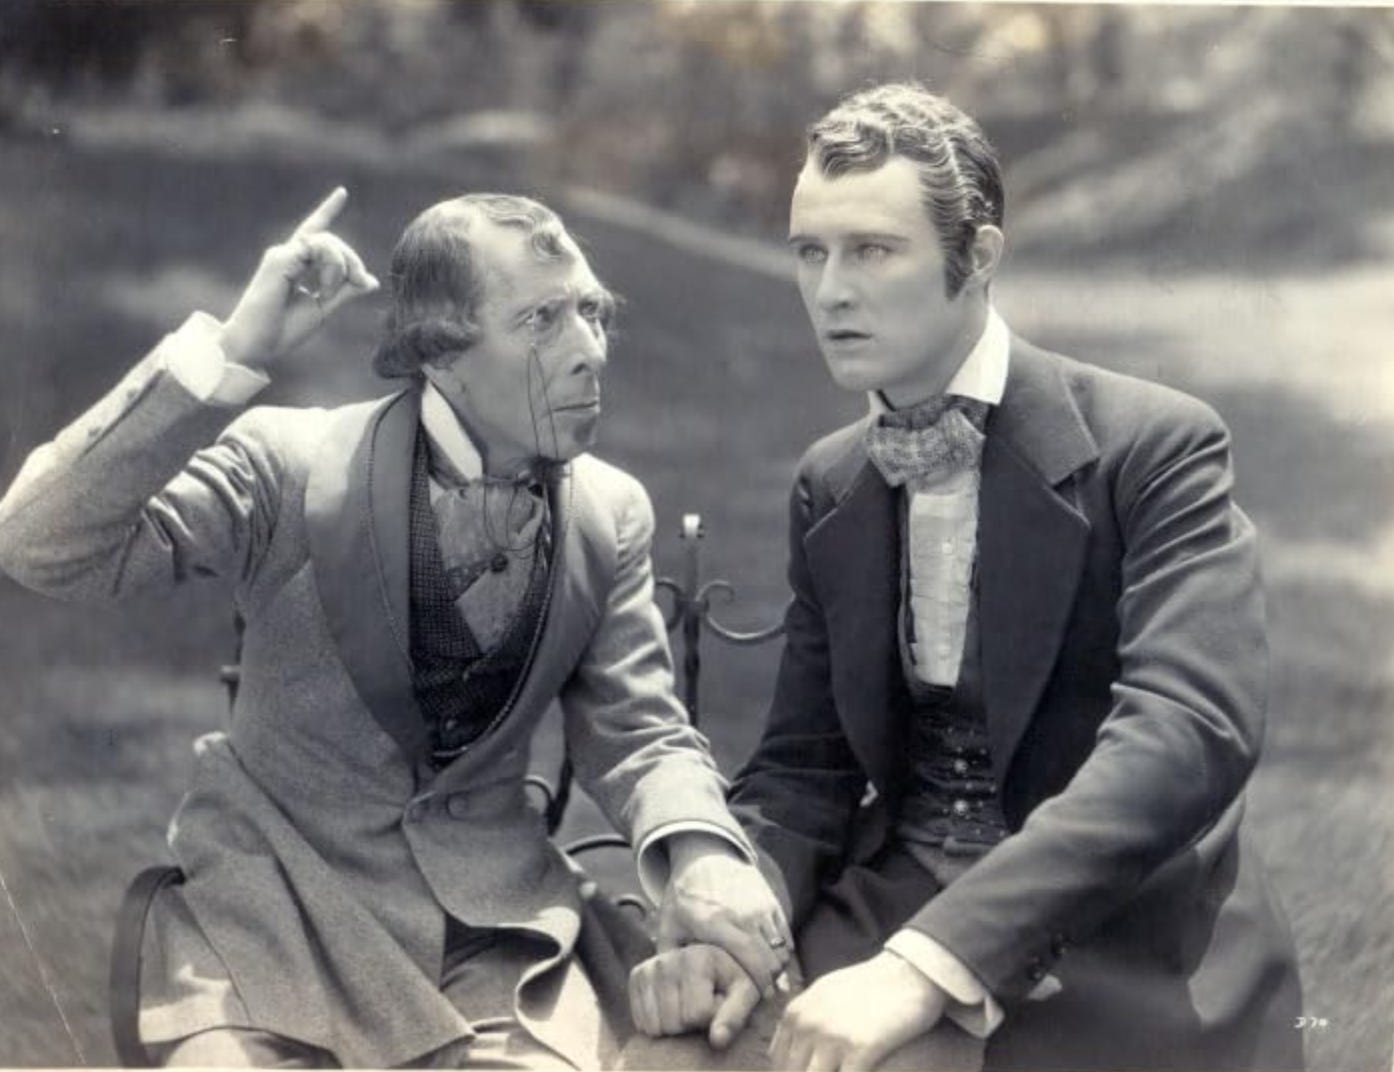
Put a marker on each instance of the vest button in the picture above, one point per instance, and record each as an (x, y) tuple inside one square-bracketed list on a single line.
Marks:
[(457, 806), (499, 562), (961, 807), (960, 766)]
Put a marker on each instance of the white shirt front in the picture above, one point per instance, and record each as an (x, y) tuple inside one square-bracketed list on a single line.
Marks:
[(943, 524), (942, 531)]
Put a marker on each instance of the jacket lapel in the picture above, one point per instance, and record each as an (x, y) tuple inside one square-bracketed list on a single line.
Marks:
[(356, 515), (1031, 541), (853, 552)]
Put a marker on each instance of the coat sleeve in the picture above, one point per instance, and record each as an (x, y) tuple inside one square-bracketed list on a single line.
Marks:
[(1179, 740), (635, 751), (800, 790), (131, 497)]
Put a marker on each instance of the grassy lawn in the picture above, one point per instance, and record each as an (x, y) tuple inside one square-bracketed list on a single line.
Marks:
[(714, 391)]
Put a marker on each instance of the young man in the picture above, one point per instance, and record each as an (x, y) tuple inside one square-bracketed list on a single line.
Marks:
[(1027, 622), (366, 882)]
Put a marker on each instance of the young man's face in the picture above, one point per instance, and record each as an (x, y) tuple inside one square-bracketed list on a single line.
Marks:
[(529, 386), (871, 273)]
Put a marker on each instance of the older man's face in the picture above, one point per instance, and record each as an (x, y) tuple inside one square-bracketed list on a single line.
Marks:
[(871, 274), (531, 381)]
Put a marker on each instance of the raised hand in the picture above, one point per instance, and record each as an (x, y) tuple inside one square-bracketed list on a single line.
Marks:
[(297, 284)]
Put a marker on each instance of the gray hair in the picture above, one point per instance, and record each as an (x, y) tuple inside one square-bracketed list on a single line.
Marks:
[(435, 281), (960, 177)]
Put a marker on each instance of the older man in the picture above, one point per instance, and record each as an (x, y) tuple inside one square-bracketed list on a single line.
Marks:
[(1001, 783), (367, 882)]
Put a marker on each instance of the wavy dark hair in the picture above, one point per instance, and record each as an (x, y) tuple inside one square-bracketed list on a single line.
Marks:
[(960, 177), (435, 281)]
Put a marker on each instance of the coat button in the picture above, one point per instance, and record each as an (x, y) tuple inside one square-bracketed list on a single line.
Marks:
[(499, 562), (1036, 971), (1058, 944)]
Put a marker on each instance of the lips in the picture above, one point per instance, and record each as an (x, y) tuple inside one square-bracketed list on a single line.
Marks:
[(845, 336), (585, 405)]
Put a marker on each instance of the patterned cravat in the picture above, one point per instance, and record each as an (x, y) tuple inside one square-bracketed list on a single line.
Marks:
[(488, 533), (920, 446)]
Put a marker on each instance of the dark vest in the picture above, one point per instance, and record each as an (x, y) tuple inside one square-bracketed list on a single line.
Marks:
[(461, 690), (951, 813)]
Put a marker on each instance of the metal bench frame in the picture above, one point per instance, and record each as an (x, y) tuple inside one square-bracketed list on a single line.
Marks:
[(689, 616)]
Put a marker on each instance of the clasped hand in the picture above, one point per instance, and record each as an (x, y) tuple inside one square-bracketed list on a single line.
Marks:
[(296, 285), (715, 896), (850, 1019)]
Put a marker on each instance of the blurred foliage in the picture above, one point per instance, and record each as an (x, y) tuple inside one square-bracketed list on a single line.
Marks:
[(697, 105)]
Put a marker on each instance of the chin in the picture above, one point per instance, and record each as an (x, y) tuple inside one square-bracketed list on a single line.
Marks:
[(855, 379), (570, 447)]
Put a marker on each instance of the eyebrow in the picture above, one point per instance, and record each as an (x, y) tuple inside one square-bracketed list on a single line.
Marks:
[(598, 293), (854, 236)]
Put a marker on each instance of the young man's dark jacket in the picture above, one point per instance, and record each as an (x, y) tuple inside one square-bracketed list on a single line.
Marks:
[(1124, 671)]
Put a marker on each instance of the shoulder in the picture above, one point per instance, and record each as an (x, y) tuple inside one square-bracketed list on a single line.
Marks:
[(615, 493), (831, 463), (607, 481), (1126, 413), (1145, 436), (293, 434)]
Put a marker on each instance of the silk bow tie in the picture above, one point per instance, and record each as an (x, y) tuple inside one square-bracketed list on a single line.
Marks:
[(927, 443)]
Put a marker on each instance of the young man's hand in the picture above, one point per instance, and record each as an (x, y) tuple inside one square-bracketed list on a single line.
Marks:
[(715, 896), (691, 988), (851, 1019), (298, 283)]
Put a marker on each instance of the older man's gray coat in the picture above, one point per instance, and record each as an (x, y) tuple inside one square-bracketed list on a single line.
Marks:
[(321, 855)]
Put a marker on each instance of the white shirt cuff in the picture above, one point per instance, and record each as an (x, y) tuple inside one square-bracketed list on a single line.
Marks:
[(652, 860), (971, 1006), (193, 356)]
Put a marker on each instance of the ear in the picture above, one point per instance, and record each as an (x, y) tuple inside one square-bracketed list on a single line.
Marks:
[(448, 378), (985, 254)]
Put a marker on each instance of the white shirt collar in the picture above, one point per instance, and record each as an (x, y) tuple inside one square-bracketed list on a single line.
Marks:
[(448, 435), (983, 374)]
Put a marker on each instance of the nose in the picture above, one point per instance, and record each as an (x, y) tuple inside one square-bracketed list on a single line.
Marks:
[(835, 289), (590, 348)]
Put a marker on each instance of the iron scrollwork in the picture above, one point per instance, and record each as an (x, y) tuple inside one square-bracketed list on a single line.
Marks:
[(692, 610)]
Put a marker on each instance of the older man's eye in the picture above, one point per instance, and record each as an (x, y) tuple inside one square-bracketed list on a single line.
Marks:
[(597, 311), (541, 318)]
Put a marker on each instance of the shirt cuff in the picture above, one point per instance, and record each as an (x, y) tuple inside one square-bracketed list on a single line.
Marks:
[(193, 356), (970, 1006), (652, 859)]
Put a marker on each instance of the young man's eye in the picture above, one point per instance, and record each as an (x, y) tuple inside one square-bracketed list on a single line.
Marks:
[(810, 254), (873, 251)]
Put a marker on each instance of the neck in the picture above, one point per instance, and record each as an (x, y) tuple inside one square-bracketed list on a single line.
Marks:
[(943, 366), (502, 460)]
